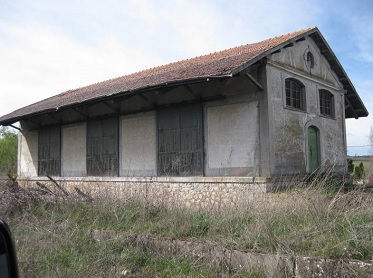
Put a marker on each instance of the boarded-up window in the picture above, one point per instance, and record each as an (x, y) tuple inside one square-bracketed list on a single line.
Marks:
[(49, 151), (102, 147), (180, 141)]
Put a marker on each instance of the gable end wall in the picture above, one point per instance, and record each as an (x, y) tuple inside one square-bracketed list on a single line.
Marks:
[(289, 127)]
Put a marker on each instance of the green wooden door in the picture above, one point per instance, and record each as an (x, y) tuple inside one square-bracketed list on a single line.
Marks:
[(313, 149)]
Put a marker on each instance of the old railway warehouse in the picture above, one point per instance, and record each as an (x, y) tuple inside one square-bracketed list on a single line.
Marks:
[(217, 125)]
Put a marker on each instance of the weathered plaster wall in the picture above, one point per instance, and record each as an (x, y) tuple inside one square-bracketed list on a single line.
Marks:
[(294, 58), (231, 139), (27, 154), (289, 126), (138, 145), (265, 148), (74, 150)]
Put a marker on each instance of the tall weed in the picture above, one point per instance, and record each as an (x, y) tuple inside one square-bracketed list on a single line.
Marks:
[(54, 237)]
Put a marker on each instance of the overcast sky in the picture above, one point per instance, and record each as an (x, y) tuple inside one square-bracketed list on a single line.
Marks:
[(48, 46)]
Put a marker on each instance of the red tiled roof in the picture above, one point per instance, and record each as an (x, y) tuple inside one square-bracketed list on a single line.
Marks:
[(222, 63)]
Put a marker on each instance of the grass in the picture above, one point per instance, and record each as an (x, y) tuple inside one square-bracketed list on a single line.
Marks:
[(54, 239)]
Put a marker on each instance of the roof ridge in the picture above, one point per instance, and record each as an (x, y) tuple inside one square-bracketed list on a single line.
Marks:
[(183, 61), (223, 62), (209, 54), (169, 66)]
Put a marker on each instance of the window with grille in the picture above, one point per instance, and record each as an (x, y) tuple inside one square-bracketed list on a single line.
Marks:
[(326, 99), (180, 141), (102, 147), (294, 94), (49, 151)]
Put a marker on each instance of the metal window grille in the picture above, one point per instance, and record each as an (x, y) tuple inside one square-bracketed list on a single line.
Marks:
[(49, 151), (180, 141), (102, 147)]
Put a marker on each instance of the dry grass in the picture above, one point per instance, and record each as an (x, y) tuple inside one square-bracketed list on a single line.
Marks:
[(53, 232)]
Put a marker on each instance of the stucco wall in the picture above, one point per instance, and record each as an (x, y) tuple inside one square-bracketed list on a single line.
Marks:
[(231, 139), (74, 148), (247, 131), (27, 154), (138, 145), (289, 126), (294, 57)]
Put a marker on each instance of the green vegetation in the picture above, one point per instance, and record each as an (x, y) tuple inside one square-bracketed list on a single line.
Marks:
[(359, 172), (350, 166), (8, 151), (360, 167), (54, 238)]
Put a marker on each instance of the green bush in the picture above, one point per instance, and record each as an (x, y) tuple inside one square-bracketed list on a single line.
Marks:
[(8, 151), (350, 166), (359, 172)]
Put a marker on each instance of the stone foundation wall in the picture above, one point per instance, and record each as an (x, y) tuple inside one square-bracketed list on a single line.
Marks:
[(200, 193)]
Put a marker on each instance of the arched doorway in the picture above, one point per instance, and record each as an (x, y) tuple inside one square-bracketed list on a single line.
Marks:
[(313, 149)]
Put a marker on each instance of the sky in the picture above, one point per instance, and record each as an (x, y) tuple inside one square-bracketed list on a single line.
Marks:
[(49, 46)]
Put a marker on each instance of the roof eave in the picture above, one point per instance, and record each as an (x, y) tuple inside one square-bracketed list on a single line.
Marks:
[(272, 50), (175, 82), (316, 35), (342, 75), (354, 108)]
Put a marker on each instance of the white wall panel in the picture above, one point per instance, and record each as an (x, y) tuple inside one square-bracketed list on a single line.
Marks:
[(138, 145), (74, 149)]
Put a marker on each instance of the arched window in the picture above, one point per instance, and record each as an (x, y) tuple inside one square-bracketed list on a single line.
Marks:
[(326, 99), (295, 97)]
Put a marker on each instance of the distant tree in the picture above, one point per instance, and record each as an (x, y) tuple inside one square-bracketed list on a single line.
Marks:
[(8, 151), (350, 166), (359, 172)]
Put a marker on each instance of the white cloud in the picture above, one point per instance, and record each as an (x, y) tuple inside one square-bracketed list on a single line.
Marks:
[(40, 63), (42, 57), (49, 47), (362, 27)]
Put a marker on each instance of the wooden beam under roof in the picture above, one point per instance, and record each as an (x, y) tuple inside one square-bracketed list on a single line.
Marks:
[(254, 81)]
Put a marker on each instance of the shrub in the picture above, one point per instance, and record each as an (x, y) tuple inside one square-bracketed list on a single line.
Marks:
[(359, 172), (8, 151)]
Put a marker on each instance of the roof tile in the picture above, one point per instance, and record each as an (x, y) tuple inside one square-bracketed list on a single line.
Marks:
[(210, 65)]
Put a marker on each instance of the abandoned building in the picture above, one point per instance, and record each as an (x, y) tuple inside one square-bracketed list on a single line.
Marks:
[(253, 112)]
